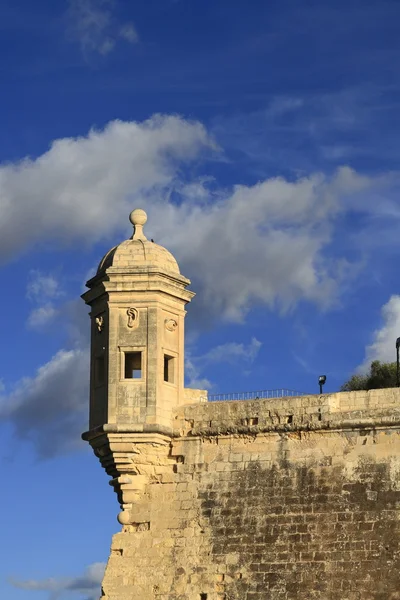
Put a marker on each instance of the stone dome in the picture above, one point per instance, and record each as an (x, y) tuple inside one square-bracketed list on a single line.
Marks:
[(138, 252)]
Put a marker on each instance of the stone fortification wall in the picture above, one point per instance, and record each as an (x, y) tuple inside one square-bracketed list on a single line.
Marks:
[(293, 499)]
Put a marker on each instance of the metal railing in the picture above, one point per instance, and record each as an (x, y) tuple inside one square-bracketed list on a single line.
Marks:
[(257, 395)]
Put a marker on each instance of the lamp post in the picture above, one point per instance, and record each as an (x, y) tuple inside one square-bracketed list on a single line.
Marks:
[(322, 378), (398, 366)]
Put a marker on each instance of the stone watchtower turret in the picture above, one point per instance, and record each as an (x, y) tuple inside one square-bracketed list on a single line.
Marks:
[(137, 301)]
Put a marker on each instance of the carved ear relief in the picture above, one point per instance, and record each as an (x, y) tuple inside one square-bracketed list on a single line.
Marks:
[(133, 317)]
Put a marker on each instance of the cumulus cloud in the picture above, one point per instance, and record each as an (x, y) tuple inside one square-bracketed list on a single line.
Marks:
[(263, 244), (93, 24), (42, 285), (260, 244), (193, 375), (50, 409), (129, 33), (42, 289), (231, 352), (384, 339), (41, 316), (83, 188), (89, 584)]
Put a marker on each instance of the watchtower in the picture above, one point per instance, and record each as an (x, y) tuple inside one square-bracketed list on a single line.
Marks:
[(137, 301)]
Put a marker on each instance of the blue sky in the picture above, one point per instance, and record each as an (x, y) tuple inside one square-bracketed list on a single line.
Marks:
[(262, 140)]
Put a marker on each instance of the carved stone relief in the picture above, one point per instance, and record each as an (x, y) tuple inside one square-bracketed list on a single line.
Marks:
[(133, 317), (100, 323), (171, 324)]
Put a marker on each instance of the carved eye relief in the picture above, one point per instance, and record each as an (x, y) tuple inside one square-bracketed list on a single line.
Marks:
[(171, 324), (132, 317)]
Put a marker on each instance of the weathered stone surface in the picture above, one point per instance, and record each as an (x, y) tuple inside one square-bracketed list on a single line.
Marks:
[(273, 514)]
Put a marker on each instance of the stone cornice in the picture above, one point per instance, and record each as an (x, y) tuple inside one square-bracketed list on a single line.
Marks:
[(356, 424), (151, 280), (122, 429)]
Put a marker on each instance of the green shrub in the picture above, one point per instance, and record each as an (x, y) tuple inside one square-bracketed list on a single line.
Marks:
[(380, 375)]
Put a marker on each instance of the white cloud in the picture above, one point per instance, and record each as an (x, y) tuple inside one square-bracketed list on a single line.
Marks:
[(262, 244), (41, 286), (41, 316), (89, 584), (51, 408), (383, 346), (233, 352), (193, 375), (259, 244), (82, 189), (93, 24), (196, 191), (129, 33)]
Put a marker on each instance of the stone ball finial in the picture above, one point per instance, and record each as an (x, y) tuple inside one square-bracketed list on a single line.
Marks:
[(138, 218)]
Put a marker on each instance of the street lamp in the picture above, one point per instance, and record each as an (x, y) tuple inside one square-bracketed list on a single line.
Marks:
[(398, 367), (322, 378)]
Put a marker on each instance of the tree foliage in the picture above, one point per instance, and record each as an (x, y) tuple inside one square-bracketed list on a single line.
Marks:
[(380, 375)]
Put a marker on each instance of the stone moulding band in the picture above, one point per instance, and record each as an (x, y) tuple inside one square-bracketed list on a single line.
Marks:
[(382, 422), (339, 425), (116, 428)]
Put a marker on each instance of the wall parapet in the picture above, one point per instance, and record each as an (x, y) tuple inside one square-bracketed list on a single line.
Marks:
[(239, 503), (194, 396), (343, 410)]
